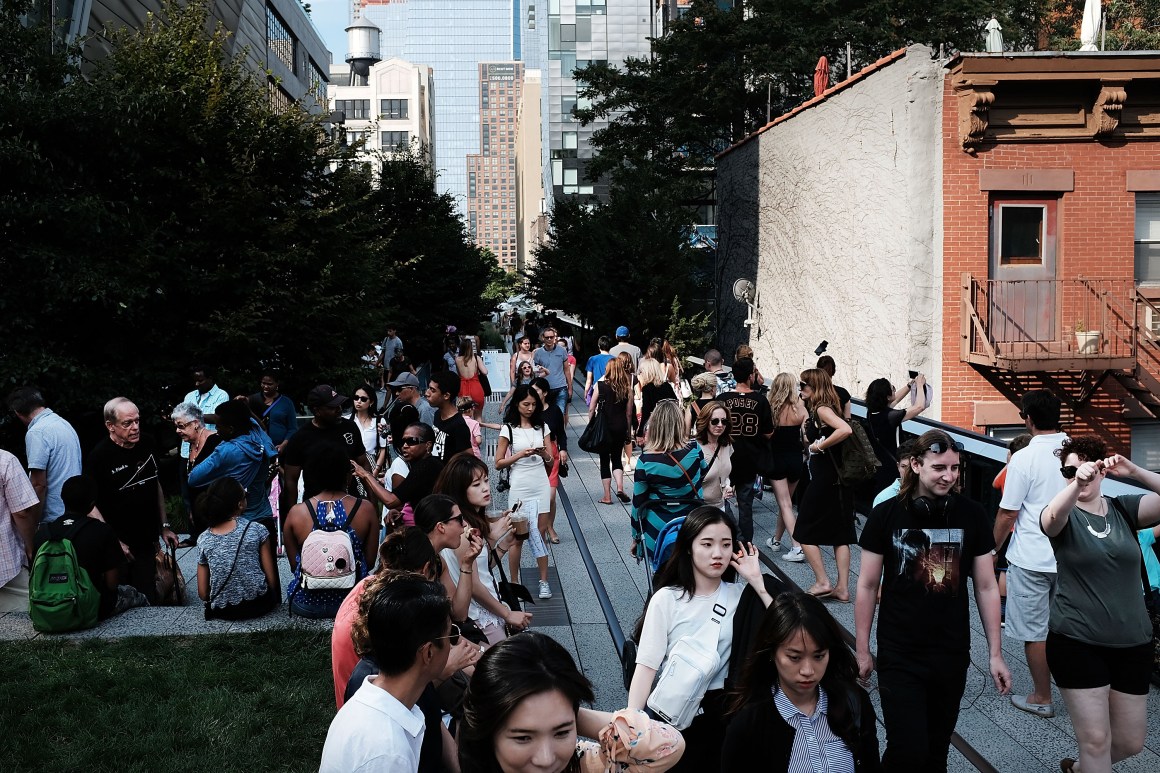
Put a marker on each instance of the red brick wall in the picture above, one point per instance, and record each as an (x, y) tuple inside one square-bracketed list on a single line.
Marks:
[(1095, 239)]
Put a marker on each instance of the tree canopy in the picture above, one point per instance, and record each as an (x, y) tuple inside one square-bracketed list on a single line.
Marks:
[(157, 210)]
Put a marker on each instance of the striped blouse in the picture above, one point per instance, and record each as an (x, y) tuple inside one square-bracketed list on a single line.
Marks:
[(815, 747), (677, 474)]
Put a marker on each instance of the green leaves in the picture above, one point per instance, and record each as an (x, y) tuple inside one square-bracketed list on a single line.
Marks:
[(160, 212)]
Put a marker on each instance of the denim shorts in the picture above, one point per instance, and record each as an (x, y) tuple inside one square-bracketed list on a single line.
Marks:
[(1029, 595)]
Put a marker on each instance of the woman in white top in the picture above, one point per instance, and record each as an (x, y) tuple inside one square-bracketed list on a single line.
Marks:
[(363, 414), (465, 479), (523, 446), (714, 436), (701, 574), (523, 353)]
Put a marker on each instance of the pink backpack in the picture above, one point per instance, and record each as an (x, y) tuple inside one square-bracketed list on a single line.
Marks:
[(327, 560)]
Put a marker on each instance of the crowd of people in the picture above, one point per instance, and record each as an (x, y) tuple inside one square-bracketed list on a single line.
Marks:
[(382, 505)]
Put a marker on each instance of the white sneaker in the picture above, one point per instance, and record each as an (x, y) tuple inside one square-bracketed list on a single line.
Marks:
[(773, 544), (796, 555), (545, 590)]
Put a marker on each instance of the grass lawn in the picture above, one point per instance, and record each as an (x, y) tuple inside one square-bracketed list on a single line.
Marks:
[(245, 702)]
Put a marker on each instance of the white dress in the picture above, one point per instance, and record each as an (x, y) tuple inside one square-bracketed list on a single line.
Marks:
[(475, 610), (529, 478)]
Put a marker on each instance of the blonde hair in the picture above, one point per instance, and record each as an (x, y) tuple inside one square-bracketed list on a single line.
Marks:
[(666, 428), (743, 350), (704, 382), (651, 372), (783, 393), (706, 414)]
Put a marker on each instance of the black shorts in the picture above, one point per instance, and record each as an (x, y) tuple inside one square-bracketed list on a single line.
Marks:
[(1076, 665)]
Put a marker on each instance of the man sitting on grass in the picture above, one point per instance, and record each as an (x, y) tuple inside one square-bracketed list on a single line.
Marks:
[(380, 728)]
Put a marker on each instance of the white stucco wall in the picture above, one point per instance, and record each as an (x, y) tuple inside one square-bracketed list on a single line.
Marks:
[(848, 201)]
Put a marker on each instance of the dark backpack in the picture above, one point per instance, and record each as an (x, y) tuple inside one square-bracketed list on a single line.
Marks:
[(859, 463), (61, 595)]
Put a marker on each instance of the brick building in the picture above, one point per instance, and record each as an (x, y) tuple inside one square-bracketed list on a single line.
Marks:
[(992, 220), (491, 173)]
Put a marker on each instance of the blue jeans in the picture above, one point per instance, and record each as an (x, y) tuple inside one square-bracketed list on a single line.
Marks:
[(745, 493), (561, 397)]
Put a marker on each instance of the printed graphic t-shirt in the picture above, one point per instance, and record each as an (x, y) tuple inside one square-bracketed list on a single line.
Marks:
[(751, 420), (926, 562), (127, 489)]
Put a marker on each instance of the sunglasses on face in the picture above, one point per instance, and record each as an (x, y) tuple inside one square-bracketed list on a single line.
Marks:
[(1069, 470), (716, 422), (180, 425), (803, 385), (412, 441), (452, 637), (456, 518), (941, 447), (361, 399)]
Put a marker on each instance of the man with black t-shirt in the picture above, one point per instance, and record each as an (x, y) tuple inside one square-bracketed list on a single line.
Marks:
[(326, 428), (751, 429), (129, 495), (451, 432), (930, 540)]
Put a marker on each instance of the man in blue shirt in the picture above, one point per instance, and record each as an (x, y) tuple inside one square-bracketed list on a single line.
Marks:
[(551, 362), (596, 366), (207, 396), (52, 446)]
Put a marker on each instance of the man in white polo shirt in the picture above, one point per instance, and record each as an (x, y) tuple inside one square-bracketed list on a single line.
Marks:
[(1033, 479), (380, 729)]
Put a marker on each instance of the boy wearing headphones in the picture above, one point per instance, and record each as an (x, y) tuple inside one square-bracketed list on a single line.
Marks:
[(929, 539)]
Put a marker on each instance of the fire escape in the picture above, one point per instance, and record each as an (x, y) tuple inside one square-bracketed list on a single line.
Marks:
[(1074, 333)]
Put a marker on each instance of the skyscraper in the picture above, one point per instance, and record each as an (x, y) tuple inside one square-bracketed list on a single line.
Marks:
[(491, 174), (452, 37), (579, 32)]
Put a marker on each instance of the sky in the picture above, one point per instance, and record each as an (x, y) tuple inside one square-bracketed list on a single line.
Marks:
[(332, 17)]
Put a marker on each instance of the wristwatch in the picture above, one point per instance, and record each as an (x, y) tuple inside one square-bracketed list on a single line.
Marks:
[(167, 525)]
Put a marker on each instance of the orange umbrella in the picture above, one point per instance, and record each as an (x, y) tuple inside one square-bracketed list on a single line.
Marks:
[(821, 76)]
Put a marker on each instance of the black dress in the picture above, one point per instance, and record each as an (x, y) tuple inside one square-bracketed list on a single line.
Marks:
[(786, 449), (650, 395), (615, 412), (826, 512)]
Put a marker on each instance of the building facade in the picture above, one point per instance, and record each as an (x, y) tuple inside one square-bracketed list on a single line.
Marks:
[(491, 173), (277, 37), (394, 109), (531, 209), (451, 37), (993, 221), (579, 32)]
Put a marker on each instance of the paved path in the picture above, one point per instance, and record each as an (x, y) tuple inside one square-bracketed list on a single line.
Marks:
[(1010, 739)]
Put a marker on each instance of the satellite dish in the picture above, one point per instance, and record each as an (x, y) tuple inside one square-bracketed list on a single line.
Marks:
[(744, 291)]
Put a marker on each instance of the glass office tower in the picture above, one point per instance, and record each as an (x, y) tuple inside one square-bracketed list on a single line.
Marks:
[(452, 37)]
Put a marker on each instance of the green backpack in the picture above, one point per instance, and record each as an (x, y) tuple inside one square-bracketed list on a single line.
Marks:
[(61, 596)]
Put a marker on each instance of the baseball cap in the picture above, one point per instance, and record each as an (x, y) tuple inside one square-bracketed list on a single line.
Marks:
[(621, 331), (405, 380), (324, 396)]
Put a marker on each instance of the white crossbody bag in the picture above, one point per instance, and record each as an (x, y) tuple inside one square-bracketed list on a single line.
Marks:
[(689, 669)]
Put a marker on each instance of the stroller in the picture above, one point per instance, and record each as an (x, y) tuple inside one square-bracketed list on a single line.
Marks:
[(662, 549)]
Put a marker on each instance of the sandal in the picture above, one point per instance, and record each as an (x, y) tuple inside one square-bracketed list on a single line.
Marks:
[(1067, 764), (604, 501), (825, 594), (623, 497)]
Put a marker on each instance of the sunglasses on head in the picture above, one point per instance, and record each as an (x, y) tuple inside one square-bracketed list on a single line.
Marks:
[(413, 441), (942, 446), (716, 422), (452, 637)]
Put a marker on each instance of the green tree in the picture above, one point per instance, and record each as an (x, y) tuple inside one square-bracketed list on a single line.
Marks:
[(159, 211), (689, 334)]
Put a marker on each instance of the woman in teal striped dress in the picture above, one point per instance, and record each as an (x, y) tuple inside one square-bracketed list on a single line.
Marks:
[(671, 466)]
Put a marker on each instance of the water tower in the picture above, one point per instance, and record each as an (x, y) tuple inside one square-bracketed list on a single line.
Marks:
[(362, 42)]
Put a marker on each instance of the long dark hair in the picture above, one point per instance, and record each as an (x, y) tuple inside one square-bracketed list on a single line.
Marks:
[(509, 673), (512, 414), (373, 408), (878, 395), (787, 615), (457, 476), (678, 570)]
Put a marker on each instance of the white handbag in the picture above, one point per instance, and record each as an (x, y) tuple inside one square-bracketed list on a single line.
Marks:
[(687, 673)]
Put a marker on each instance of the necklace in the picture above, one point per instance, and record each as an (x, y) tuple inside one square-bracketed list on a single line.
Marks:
[(1107, 524)]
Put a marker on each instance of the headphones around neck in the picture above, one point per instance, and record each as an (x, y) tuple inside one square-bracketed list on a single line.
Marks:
[(930, 507)]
